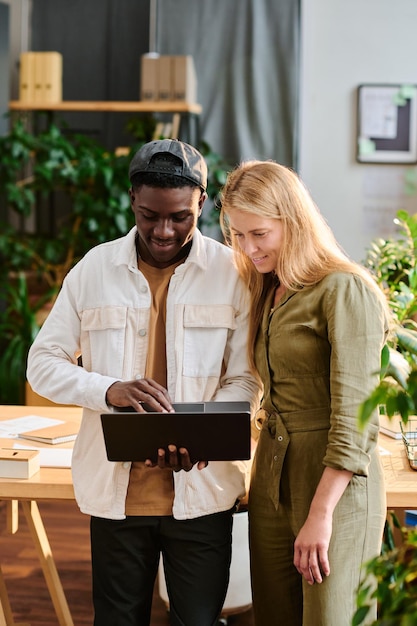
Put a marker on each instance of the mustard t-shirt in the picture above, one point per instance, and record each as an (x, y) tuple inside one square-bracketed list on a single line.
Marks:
[(151, 490)]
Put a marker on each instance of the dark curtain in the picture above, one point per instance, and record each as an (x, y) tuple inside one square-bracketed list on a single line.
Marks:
[(246, 54)]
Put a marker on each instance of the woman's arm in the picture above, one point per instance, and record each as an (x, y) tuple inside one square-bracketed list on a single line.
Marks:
[(312, 543)]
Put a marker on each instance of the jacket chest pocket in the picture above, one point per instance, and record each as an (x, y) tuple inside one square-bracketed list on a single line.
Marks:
[(103, 333), (206, 330)]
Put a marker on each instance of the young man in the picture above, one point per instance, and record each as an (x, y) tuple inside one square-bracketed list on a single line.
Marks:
[(159, 316)]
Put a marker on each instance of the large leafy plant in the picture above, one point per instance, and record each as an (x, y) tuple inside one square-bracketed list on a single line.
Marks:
[(394, 265), (91, 180)]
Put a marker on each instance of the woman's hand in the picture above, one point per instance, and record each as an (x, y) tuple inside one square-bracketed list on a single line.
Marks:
[(312, 543), (311, 549)]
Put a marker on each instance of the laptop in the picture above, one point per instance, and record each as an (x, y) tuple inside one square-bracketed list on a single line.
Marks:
[(211, 431)]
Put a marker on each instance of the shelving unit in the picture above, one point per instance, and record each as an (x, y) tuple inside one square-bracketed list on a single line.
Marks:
[(188, 114)]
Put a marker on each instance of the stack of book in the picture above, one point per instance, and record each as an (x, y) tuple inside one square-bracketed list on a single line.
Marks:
[(58, 433), (168, 78), (40, 77)]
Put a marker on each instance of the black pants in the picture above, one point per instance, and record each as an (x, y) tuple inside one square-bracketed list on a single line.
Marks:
[(125, 560)]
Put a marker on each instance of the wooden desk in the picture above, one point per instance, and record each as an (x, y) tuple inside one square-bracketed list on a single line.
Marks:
[(400, 479), (47, 484), (56, 484)]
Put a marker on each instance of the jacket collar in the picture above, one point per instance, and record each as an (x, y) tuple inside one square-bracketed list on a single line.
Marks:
[(126, 254)]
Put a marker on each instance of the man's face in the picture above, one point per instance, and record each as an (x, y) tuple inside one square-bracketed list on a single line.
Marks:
[(166, 220)]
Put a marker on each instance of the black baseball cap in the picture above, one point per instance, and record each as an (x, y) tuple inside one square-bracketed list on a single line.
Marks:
[(151, 157)]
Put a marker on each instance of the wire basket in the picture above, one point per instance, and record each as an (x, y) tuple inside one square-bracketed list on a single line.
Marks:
[(409, 436)]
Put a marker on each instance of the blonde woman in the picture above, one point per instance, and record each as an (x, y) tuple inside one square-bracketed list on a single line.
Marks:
[(318, 323)]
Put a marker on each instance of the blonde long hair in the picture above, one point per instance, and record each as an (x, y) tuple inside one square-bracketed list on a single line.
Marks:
[(309, 250)]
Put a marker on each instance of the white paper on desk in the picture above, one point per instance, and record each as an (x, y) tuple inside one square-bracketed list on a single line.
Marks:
[(384, 451), (11, 428), (57, 457)]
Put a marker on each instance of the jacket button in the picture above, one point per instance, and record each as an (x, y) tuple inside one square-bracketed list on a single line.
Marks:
[(142, 332), (126, 465), (280, 438)]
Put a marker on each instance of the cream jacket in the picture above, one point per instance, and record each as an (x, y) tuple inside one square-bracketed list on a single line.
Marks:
[(102, 313)]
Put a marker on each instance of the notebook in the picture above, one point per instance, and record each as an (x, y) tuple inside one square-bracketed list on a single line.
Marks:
[(59, 433), (211, 431)]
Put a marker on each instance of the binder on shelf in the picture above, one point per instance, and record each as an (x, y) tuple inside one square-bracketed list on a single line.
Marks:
[(185, 79), (149, 77), (27, 77), (52, 76), (165, 78), (175, 126), (40, 79), (168, 130)]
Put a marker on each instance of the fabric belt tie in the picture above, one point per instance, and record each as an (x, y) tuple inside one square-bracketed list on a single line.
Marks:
[(280, 426), (295, 421)]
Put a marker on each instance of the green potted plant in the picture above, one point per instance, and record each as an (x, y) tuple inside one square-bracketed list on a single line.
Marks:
[(393, 263)]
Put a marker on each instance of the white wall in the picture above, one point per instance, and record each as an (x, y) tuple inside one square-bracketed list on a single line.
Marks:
[(346, 44)]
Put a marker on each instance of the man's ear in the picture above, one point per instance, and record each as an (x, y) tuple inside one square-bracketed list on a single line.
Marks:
[(131, 193), (203, 197)]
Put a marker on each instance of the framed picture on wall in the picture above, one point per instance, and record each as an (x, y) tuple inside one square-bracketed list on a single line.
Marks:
[(387, 123)]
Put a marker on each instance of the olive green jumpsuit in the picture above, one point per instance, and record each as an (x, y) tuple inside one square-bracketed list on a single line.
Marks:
[(318, 353)]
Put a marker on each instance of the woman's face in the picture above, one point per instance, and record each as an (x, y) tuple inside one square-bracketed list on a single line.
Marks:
[(260, 238)]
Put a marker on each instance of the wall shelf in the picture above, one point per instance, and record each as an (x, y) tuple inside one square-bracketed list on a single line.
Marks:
[(188, 112), (174, 106)]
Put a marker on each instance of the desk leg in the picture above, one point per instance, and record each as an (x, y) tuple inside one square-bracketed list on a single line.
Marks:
[(6, 617), (12, 524), (43, 548)]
